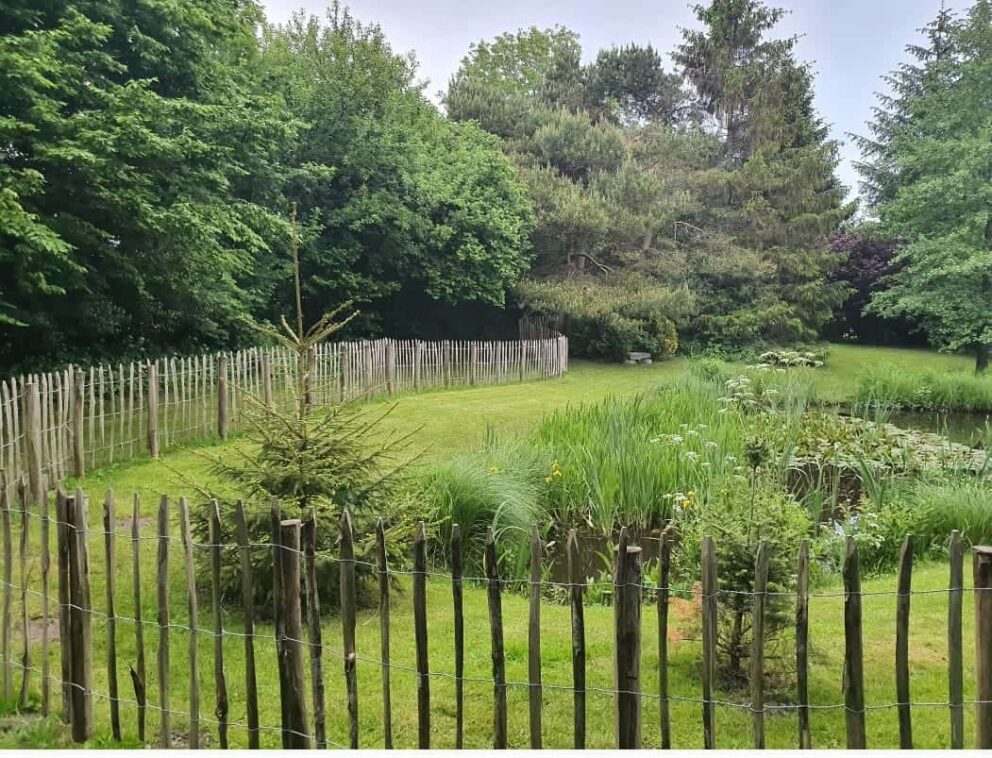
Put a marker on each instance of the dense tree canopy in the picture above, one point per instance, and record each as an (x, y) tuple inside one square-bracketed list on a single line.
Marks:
[(930, 177)]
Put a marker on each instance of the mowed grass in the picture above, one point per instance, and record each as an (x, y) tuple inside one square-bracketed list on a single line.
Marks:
[(447, 422)]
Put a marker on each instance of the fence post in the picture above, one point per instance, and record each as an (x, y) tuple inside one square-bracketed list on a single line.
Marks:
[(78, 433), (955, 654), (152, 408), (267, 380), (802, 645), (534, 640), (248, 600), (62, 535), (456, 597), (33, 440), (627, 629), (577, 586), (162, 580), (854, 678), (348, 600), (309, 538), (383, 571), (8, 588), (390, 368), (473, 360), (110, 552), (759, 600), (138, 674), (983, 642), (222, 396), (80, 640), (904, 587), (710, 588), (664, 579), (294, 707), (420, 633), (193, 621), (216, 601), (493, 592), (417, 352)]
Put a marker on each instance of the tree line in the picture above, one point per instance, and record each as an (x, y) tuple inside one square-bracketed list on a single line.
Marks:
[(157, 160)]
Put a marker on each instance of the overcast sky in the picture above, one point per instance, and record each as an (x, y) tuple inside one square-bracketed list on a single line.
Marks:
[(851, 43)]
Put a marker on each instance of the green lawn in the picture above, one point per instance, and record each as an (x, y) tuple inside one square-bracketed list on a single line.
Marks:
[(450, 421)]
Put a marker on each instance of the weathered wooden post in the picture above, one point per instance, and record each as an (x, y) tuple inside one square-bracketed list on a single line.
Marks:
[(80, 635), (457, 602), (494, 593), (162, 580), (418, 350), (903, 597), (664, 579), (110, 553), (248, 599), (390, 368), (577, 586), (802, 646), (192, 612), (62, 533), (759, 602), (383, 572), (534, 640), (309, 538), (222, 397), (216, 605), (627, 629), (710, 590), (295, 725), (854, 675), (955, 651), (34, 443), (420, 634), (78, 432), (152, 409), (348, 621), (473, 364), (267, 380), (983, 643)]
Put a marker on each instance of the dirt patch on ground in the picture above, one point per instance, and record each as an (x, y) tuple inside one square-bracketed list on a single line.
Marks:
[(685, 616), (124, 524), (36, 627)]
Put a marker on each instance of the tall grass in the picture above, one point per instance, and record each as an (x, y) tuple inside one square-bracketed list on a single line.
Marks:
[(628, 461), (887, 385)]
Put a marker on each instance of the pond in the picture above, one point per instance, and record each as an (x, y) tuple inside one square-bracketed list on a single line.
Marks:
[(965, 428)]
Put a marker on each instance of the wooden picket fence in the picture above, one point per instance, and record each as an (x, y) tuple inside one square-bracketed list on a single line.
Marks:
[(297, 633), (81, 419)]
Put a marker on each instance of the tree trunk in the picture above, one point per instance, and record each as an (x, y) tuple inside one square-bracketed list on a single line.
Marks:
[(982, 359)]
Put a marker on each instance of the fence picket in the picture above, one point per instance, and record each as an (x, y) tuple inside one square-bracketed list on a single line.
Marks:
[(8, 587), (493, 592), (248, 599), (138, 671), (459, 625), (758, 645), (627, 628), (309, 538), (904, 587), (577, 585), (955, 648), (294, 708), (348, 602), (710, 590), (110, 555), (854, 682), (534, 640), (162, 582), (420, 635), (383, 571), (193, 619), (982, 567), (664, 579), (802, 646), (216, 605)]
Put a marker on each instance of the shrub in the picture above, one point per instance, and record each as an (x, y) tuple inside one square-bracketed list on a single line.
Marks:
[(739, 517)]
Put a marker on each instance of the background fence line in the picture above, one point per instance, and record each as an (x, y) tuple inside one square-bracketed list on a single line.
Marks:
[(64, 422), (83, 617)]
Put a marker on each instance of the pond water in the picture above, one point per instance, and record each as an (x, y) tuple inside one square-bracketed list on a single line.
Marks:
[(966, 428)]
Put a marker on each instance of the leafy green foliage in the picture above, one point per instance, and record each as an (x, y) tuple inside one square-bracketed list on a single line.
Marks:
[(931, 174)]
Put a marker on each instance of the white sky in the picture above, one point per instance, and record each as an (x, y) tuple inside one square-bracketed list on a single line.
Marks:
[(851, 43)]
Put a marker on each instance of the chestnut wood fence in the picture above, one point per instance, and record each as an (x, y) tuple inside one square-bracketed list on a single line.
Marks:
[(87, 680), (78, 419)]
